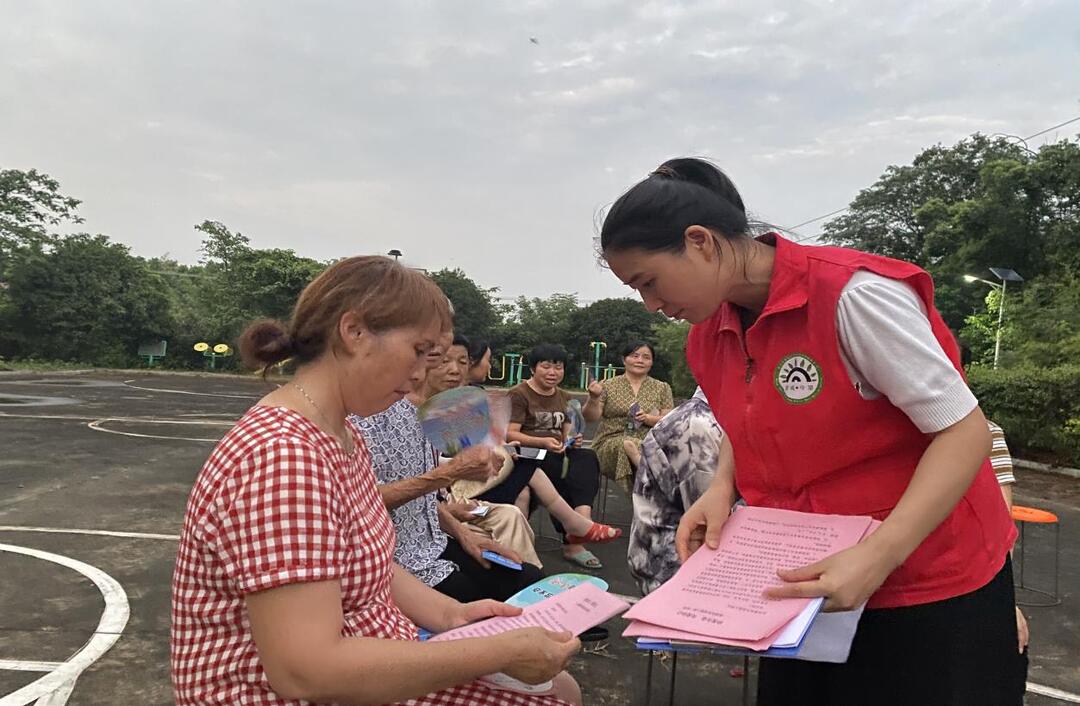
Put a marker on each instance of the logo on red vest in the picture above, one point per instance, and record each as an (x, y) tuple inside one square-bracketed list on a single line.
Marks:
[(798, 378)]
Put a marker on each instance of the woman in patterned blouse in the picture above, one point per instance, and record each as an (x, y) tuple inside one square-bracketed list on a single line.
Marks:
[(285, 591), (618, 441)]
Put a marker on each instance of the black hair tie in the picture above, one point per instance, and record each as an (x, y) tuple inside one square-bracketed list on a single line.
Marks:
[(665, 171)]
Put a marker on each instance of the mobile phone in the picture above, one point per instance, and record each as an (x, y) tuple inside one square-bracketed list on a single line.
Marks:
[(480, 511), (500, 560), (530, 452)]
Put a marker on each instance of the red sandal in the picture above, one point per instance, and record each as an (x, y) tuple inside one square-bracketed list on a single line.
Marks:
[(598, 534)]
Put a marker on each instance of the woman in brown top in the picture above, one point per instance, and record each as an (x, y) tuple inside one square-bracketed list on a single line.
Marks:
[(538, 420)]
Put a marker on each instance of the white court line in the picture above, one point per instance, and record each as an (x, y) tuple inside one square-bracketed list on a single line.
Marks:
[(31, 666), (1053, 693), (189, 392), (55, 687), (156, 420), (71, 417), (96, 426), (58, 697), (134, 420), (96, 533), (26, 665)]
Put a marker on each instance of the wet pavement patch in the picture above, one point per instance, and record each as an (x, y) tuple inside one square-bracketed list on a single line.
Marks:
[(52, 382), (10, 400)]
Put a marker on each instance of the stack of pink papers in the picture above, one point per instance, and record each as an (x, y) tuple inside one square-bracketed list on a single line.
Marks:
[(717, 596)]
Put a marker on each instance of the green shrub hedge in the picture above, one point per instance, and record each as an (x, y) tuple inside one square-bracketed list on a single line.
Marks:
[(1039, 409)]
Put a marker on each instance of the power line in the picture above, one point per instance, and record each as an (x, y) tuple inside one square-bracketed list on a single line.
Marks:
[(178, 274), (807, 237), (812, 220), (841, 210), (1043, 132)]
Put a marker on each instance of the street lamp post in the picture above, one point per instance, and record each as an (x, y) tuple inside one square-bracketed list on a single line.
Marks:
[(1005, 275)]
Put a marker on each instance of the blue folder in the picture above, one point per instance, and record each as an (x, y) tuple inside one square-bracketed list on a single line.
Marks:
[(827, 640)]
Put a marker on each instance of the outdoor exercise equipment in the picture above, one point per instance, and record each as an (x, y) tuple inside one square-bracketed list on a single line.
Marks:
[(153, 350), (221, 350)]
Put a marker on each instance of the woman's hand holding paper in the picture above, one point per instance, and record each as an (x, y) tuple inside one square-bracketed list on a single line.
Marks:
[(535, 655), (465, 613), (703, 521), (846, 579)]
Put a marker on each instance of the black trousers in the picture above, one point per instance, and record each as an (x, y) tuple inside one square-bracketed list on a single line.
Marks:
[(578, 488), (472, 582), (955, 652)]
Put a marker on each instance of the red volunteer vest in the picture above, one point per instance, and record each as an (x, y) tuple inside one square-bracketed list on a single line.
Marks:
[(804, 439)]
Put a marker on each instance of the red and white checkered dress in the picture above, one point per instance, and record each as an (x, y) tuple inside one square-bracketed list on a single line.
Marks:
[(280, 502)]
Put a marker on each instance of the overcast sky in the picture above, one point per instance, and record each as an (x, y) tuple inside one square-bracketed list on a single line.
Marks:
[(345, 127)]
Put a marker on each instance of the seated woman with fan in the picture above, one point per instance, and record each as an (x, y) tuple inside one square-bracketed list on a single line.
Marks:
[(432, 544), (539, 420), (515, 483)]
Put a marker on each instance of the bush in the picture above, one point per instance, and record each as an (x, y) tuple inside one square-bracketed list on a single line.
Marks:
[(1039, 408), (670, 338), (39, 365)]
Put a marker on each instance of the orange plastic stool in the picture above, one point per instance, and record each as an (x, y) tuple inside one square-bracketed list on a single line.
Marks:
[(1025, 515)]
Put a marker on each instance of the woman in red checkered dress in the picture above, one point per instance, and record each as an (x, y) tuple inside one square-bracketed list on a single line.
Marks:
[(285, 591)]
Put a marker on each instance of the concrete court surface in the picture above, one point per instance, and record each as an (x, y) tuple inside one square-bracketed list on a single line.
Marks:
[(111, 451)]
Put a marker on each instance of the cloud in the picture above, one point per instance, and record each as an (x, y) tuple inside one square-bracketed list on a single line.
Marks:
[(339, 127)]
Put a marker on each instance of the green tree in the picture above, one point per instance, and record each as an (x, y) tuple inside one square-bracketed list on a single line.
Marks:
[(221, 246), (670, 339), (221, 316), (616, 322), (979, 333), (982, 203), (236, 283), (536, 320), (188, 310), (31, 203), (475, 311), (884, 218), (1041, 329), (82, 299), (268, 282), (931, 213), (243, 283)]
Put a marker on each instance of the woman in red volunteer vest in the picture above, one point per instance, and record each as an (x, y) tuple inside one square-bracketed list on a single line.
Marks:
[(839, 386)]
